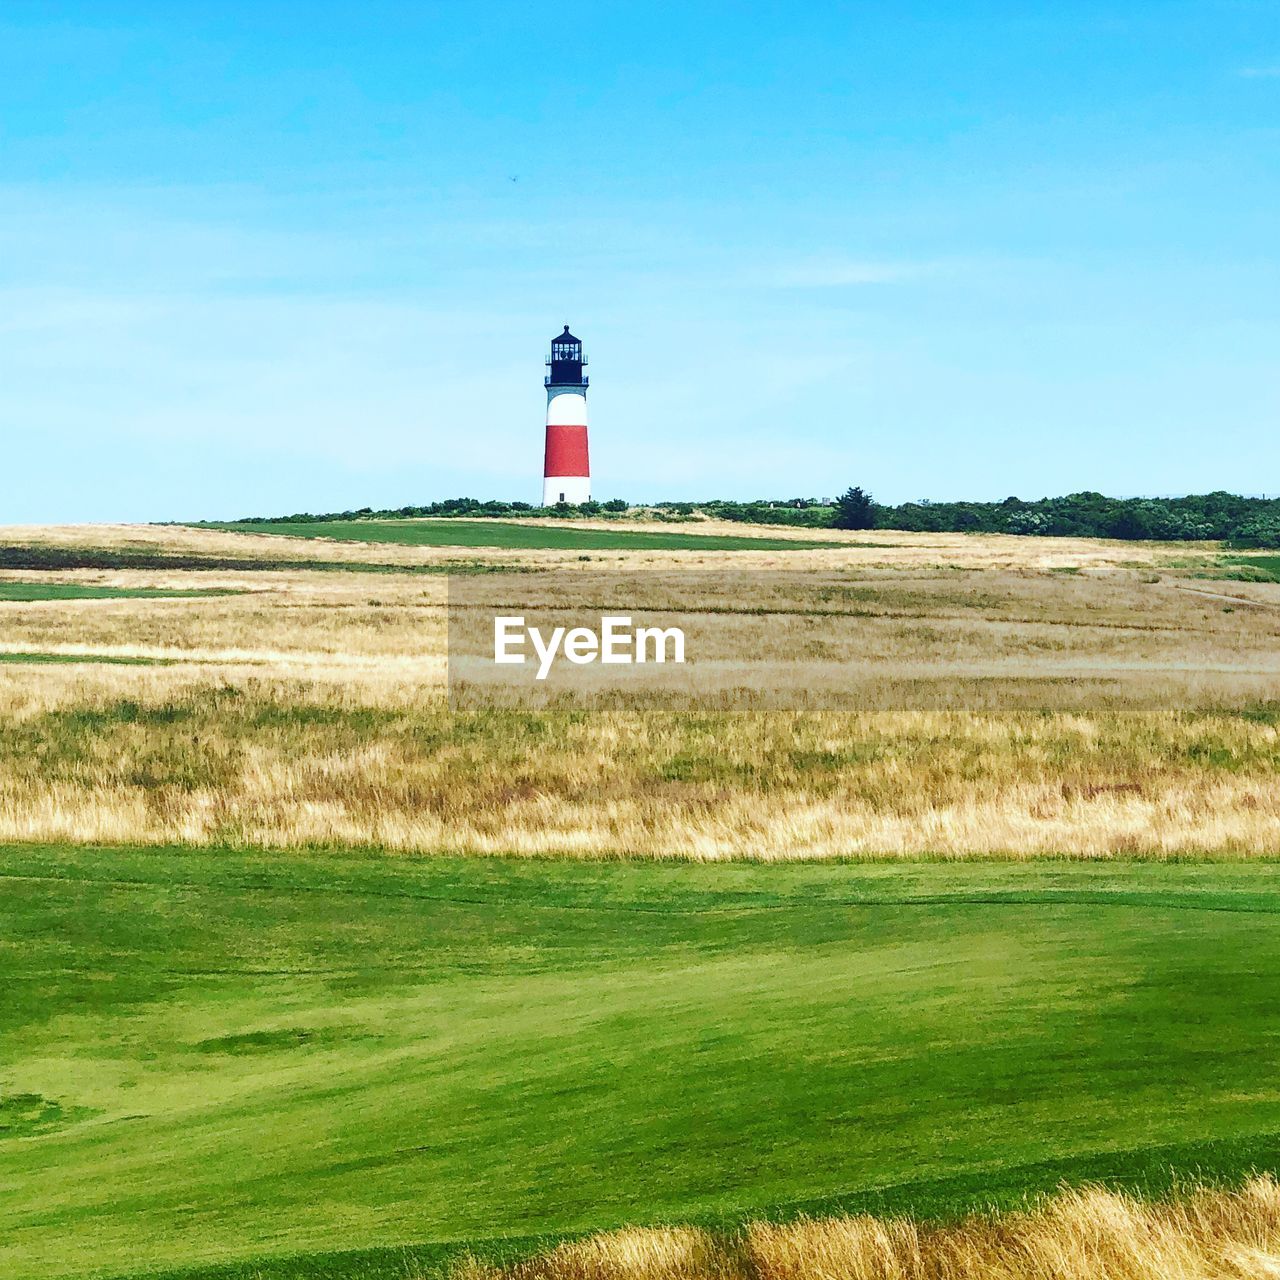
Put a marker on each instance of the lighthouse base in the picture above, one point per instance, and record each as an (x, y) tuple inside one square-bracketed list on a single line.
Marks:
[(570, 489)]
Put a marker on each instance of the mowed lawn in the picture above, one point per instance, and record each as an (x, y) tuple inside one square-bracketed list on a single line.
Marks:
[(26, 659), (1259, 564), (292, 1066), (509, 534), (26, 592)]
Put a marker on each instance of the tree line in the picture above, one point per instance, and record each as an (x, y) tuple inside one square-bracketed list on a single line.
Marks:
[(1194, 517), (1243, 521), (447, 507), (1253, 522)]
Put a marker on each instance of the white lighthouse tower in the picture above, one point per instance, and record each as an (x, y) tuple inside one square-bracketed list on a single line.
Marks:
[(566, 470)]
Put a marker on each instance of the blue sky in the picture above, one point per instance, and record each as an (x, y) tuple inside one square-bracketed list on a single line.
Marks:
[(281, 257)]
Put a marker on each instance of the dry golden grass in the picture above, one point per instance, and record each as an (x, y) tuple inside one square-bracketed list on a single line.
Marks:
[(985, 640), (158, 756), (1088, 1234), (1111, 711)]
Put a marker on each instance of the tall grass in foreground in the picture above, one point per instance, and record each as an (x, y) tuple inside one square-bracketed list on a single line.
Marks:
[(285, 764), (1086, 1234)]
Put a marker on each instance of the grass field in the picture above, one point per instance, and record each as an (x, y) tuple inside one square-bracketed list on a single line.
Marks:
[(260, 1038), (530, 536), (1104, 712), (28, 591), (1252, 568), (218, 1057)]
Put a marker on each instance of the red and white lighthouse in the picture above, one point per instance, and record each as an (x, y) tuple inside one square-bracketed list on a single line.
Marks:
[(566, 471)]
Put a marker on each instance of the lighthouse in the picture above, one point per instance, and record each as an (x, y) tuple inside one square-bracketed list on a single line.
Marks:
[(566, 471)]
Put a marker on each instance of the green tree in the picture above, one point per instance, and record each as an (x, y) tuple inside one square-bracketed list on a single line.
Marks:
[(1259, 533), (855, 509)]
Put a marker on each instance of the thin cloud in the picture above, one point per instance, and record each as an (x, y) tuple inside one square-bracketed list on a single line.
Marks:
[(1259, 73)]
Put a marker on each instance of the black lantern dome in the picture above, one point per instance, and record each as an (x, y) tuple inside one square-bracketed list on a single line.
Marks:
[(566, 361)]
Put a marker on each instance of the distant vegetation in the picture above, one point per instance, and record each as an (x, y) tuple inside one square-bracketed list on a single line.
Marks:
[(467, 507), (1218, 515), (1245, 522)]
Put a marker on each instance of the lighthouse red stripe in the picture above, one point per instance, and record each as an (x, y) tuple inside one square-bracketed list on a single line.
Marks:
[(566, 451)]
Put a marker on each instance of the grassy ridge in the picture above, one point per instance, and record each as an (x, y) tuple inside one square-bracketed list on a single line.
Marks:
[(500, 533), (243, 1056)]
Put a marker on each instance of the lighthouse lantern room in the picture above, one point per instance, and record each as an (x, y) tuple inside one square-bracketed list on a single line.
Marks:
[(566, 471)]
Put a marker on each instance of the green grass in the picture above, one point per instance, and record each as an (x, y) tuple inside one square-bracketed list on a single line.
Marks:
[(507, 534), (59, 659), (56, 559), (29, 591), (305, 1066), (1252, 568)]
